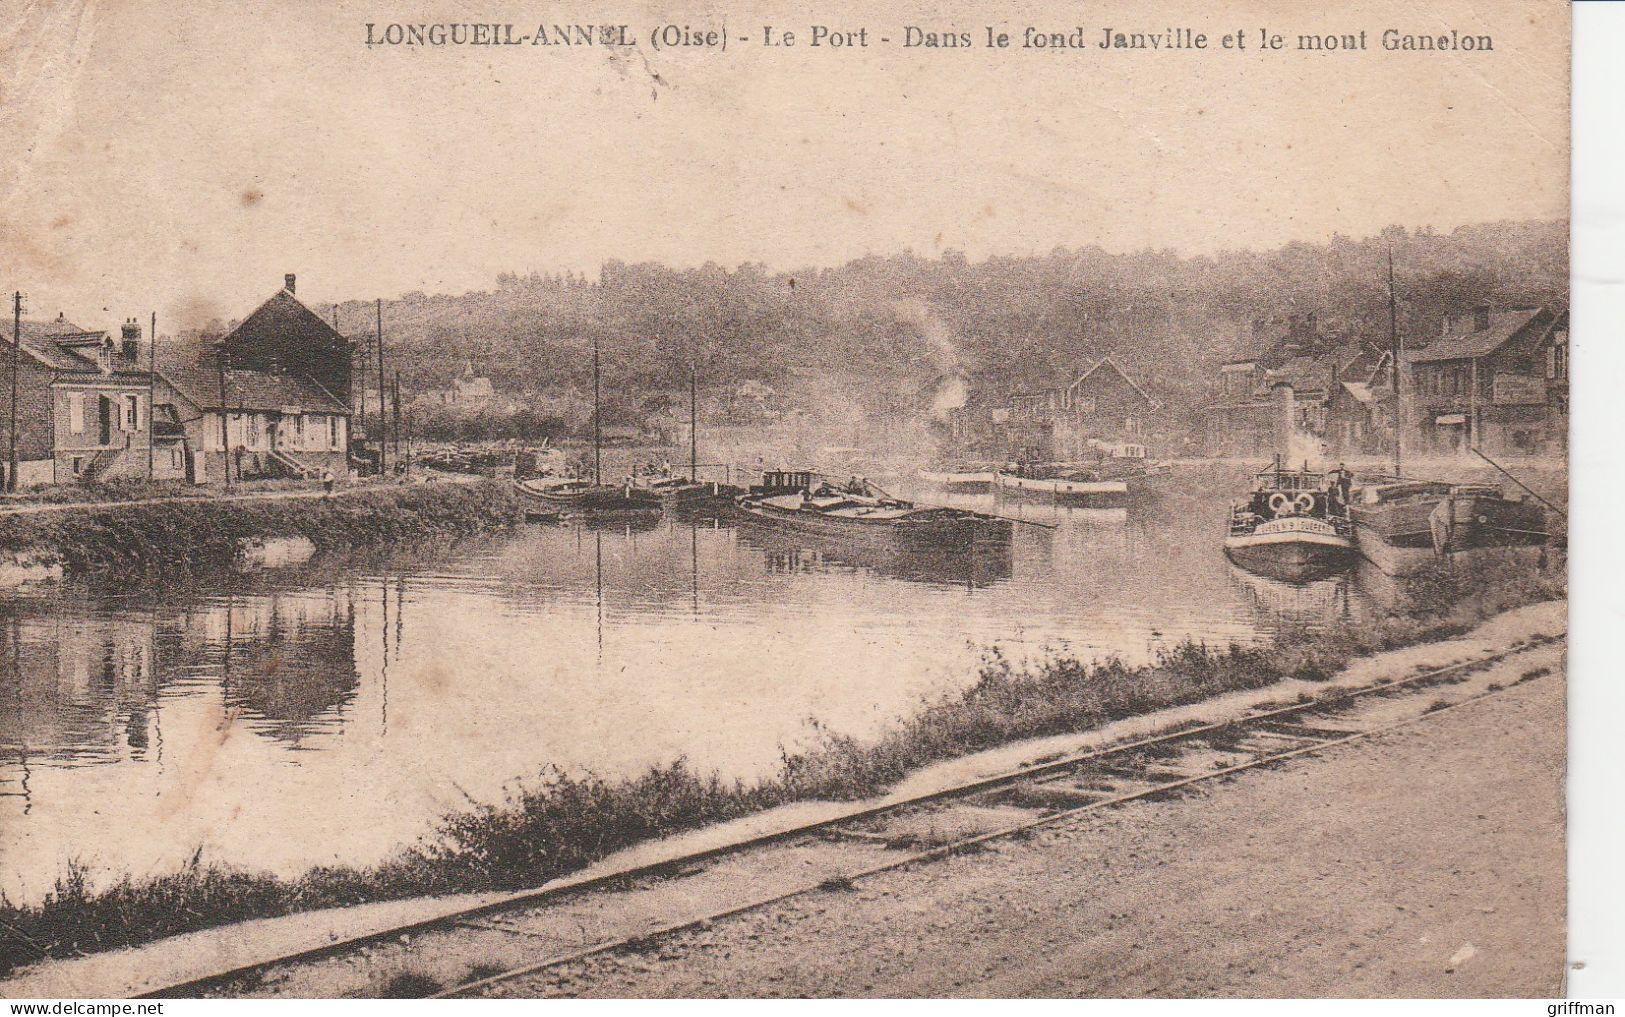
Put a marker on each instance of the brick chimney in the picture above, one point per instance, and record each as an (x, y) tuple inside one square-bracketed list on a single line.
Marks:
[(287, 283), (131, 346), (1481, 317)]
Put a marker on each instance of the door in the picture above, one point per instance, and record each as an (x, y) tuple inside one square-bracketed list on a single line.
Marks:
[(104, 419)]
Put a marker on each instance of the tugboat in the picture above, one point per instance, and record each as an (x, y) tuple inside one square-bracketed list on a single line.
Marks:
[(1293, 526)]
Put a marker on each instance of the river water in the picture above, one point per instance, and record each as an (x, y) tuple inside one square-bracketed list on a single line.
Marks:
[(329, 713)]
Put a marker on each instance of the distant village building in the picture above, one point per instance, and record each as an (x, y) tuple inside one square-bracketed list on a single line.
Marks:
[(269, 399), (751, 402), (1103, 404), (471, 388), (1339, 395), (1497, 381), (82, 411), (1492, 380), (468, 390)]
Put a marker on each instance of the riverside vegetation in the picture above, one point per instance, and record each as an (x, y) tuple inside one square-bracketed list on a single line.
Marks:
[(558, 822), (203, 533)]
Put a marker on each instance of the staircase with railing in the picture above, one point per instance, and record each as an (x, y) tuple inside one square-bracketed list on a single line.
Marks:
[(295, 467), (99, 465)]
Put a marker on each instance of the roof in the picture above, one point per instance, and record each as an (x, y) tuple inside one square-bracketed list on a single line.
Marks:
[(1470, 345), (198, 378), (282, 312), (1303, 372), (1105, 361), (1360, 391), (62, 346)]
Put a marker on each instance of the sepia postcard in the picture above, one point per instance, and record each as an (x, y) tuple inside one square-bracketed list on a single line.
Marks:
[(867, 500)]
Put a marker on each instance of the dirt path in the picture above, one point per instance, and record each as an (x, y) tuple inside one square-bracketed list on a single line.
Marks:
[(1426, 864), (317, 492)]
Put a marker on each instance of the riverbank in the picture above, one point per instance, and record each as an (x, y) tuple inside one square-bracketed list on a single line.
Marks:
[(201, 533), (556, 824)]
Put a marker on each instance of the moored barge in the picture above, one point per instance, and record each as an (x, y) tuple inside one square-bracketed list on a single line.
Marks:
[(826, 510)]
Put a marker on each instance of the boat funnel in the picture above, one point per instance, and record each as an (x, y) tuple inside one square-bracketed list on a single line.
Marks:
[(1286, 420)]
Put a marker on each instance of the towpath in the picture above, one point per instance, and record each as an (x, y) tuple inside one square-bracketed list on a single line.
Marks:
[(1422, 864)]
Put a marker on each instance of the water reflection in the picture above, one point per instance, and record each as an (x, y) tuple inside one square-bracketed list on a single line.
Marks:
[(287, 661), (1312, 604), (981, 565), (329, 713)]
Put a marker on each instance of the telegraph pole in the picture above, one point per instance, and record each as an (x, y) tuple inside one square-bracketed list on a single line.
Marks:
[(16, 363), (383, 425), (693, 423), (1396, 350)]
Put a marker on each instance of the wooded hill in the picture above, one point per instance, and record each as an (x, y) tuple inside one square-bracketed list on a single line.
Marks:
[(884, 332)]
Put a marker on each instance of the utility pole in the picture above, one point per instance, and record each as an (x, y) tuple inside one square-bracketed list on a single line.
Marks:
[(152, 399), (693, 423), (16, 363), (383, 429), (395, 400), (1396, 350), (597, 434), (225, 434), (361, 385)]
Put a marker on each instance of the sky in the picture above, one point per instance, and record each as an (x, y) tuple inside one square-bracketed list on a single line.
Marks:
[(181, 163)]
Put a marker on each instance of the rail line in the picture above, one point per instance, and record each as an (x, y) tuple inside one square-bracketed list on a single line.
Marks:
[(1272, 724)]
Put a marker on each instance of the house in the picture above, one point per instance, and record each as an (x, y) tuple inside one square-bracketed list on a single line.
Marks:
[(271, 398), (1339, 397), (1491, 380), (1102, 403), (1242, 419), (82, 405)]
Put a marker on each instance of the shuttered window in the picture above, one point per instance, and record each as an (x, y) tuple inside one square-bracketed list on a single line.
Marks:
[(76, 413)]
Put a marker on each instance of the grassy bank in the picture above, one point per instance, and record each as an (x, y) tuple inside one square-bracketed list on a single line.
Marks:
[(205, 533), (558, 823)]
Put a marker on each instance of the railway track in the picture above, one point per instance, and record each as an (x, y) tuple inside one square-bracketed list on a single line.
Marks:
[(529, 934)]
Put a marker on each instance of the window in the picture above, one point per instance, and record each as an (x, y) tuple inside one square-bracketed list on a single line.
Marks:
[(1557, 367), (176, 458), (78, 465), (76, 413), (333, 431), (132, 412)]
